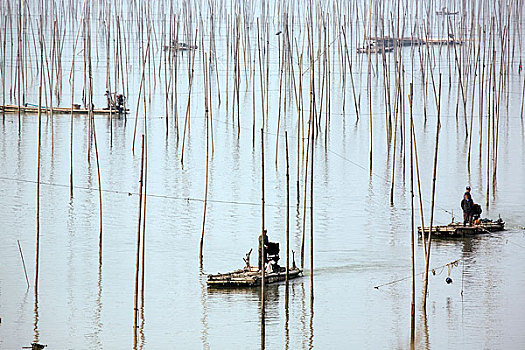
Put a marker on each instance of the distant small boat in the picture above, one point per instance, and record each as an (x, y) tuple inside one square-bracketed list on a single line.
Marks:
[(374, 49), (58, 110), (180, 46), (445, 12), (389, 42), (458, 230)]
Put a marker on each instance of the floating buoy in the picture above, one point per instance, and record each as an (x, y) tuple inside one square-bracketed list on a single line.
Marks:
[(448, 280)]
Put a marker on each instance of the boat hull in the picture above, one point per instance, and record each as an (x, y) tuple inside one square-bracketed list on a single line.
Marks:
[(458, 230), (57, 110), (250, 277)]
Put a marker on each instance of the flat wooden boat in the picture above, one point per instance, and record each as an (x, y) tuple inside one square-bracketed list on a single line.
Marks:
[(445, 12), (387, 41), (374, 49), (458, 230), (179, 46), (250, 277), (409, 41), (57, 110)]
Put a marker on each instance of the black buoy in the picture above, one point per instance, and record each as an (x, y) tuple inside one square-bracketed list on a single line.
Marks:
[(448, 280)]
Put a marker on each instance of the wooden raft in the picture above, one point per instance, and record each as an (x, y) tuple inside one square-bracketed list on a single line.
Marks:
[(250, 277), (57, 110), (458, 230)]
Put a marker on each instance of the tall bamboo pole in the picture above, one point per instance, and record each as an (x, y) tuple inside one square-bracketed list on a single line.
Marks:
[(207, 107), (137, 261), (287, 207), (312, 217), (413, 302), (427, 258), (263, 237), (37, 254), (144, 186)]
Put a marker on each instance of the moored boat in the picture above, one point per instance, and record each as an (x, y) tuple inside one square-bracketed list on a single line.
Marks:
[(459, 230), (58, 110), (251, 277), (374, 49)]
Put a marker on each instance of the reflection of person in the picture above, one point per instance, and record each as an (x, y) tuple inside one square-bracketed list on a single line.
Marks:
[(467, 205), (260, 264)]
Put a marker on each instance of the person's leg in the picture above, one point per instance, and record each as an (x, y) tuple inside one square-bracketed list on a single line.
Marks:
[(465, 218), (259, 260)]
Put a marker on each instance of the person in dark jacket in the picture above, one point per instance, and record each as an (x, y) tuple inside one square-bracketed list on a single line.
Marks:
[(467, 191), (467, 205)]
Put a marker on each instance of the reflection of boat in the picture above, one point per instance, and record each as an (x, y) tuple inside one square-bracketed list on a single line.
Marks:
[(458, 230), (58, 110), (250, 277)]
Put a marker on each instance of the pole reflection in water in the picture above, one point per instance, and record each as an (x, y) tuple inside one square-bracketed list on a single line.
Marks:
[(98, 303), (311, 337), (426, 342), (142, 335), (263, 325), (204, 318), (36, 334), (287, 316), (303, 316)]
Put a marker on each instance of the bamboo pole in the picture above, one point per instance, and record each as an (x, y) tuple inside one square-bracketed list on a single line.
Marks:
[(312, 218), (94, 135), (287, 208), (144, 186), (23, 262), (190, 82), (137, 261), (263, 237), (206, 103), (138, 98), (308, 145), (412, 247), (37, 254), (427, 258)]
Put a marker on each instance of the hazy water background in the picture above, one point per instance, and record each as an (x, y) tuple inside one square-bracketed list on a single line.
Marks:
[(360, 239)]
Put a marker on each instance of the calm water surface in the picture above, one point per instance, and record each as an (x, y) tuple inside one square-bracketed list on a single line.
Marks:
[(361, 241)]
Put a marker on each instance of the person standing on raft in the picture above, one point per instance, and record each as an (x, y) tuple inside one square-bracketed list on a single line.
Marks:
[(467, 205)]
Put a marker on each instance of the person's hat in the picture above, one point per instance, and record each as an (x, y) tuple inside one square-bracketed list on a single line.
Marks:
[(468, 188)]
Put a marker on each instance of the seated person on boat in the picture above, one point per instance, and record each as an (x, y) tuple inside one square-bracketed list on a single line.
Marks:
[(271, 252)]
